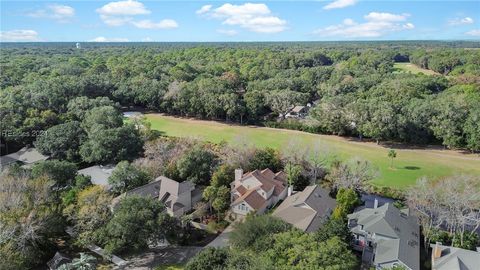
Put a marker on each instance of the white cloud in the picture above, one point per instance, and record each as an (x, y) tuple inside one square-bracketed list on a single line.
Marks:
[(254, 17), (104, 39), (460, 21), (19, 36), (124, 12), (204, 9), (376, 24), (122, 8), (61, 13), (121, 12), (474, 32), (227, 32), (340, 4), (163, 24), (408, 26), (348, 21), (385, 17)]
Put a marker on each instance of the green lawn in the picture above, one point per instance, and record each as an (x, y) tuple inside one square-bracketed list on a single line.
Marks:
[(170, 267), (408, 166), (411, 68)]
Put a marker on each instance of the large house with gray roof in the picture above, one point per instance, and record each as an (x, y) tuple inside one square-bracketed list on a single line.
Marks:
[(386, 236), (452, 258), (306, 210), (26, 156), (257, 191), (178, 197)]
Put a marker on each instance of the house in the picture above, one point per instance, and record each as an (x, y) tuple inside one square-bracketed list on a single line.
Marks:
[(452, 258), (257, 191), (99, 174), (178, 197), (58, 260), (306, 210), (386, 236), (297, 111), (26, 156)]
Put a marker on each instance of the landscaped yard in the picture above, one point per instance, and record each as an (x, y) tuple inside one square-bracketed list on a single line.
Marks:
[(409, 165), (411, 68)]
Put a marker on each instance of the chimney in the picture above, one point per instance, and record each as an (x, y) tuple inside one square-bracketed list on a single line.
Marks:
[(238, 174), (289, 191), (437, 251), (375, 204)]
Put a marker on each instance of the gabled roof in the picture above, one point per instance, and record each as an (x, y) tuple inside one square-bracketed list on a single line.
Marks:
[(151, 190), (402, 229), (453, 258), (99, 174), (173, 187), (25, 155), (268, 180), (308, 209), (298, 109)]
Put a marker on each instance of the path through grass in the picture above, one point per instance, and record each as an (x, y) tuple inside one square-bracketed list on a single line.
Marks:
[(408, 166)]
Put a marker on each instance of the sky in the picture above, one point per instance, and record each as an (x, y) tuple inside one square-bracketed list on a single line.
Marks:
[(203, 21)]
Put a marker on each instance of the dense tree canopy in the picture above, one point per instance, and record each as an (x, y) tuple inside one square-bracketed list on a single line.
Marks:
[(135, 222), (354, 88)]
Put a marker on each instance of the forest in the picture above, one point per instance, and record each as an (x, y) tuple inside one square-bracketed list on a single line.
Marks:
[(353, 88), (68, 103)]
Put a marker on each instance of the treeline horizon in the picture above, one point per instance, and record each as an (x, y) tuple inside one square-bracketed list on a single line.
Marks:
[(354, 88)]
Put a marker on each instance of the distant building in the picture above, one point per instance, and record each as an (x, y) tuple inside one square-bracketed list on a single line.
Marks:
[(25, 156), (386, 236), (99, 174), (257, 191), (306, 210), (297, 111), (452, 258)]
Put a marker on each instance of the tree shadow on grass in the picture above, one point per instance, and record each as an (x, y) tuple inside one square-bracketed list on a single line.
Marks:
[(412, 168)]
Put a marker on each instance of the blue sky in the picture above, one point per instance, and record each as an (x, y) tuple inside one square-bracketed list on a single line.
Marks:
[(132, 20)]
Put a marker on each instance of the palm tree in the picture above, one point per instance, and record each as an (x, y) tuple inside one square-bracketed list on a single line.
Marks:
[(85, 262), (392, 154)]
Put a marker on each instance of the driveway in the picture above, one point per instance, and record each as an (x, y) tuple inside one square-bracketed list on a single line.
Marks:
[(161, 256), (222, 239)]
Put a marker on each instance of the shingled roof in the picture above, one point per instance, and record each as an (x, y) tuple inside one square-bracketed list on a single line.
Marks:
[(401, 234), (452, 258), (25, 155), (99, 174), (308, 209), (268, 180)]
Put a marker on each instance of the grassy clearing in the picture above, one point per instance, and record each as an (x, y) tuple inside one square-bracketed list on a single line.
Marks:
[(170, 267), (408, 166), (411, 68)]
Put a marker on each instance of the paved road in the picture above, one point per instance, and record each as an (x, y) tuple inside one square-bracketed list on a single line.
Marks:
[(222, 239)]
